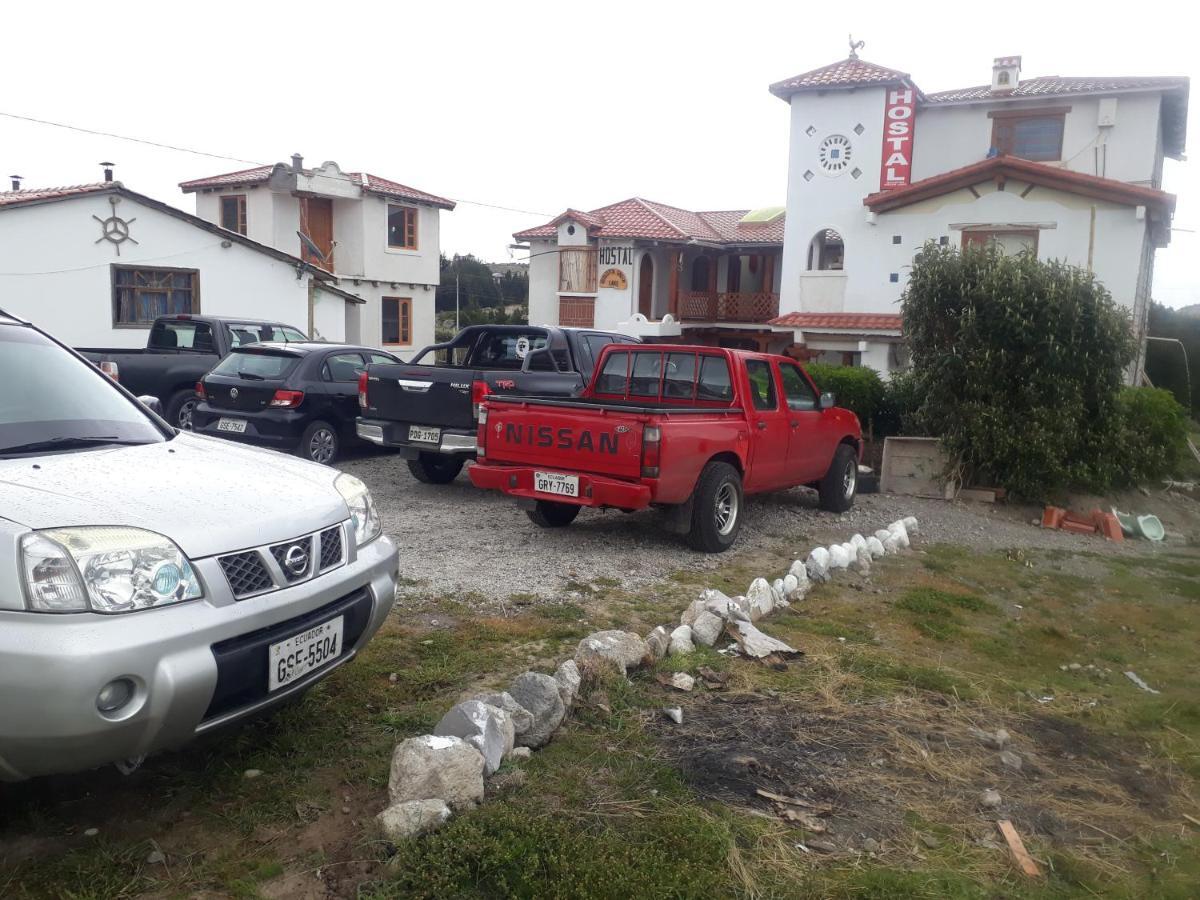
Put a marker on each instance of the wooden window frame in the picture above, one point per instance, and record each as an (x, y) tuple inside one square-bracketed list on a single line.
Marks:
[(403, 304), (993, 232), (115, 299), (1009, 117), (241, 212), (590, 270), (411, 225)]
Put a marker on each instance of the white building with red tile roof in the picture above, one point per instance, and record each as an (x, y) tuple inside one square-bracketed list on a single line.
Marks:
[(378, 237), (96, 263), (1067, 168), (659, 271)]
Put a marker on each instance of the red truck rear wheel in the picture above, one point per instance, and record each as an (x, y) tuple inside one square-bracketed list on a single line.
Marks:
[(716, 509), (549, 514)]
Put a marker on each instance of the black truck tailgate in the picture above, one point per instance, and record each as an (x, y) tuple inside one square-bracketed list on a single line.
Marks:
[(420, 395)]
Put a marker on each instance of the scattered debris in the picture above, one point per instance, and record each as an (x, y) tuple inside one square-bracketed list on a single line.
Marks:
[(1136, 679), (681, 681), (713, 680), (674, 713), (252, 773), (757, 644), (1017, 846), (91, 832), (989, 799), (1010, 760), (156, 858), (996, 740)]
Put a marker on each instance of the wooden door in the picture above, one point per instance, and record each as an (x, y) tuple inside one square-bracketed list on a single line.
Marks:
[(316, 223), (646, 287)]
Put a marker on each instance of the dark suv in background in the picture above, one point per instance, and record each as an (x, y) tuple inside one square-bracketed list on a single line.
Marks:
[(300, 397)]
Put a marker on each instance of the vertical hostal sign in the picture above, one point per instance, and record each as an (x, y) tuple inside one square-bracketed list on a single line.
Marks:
[(899, 119)]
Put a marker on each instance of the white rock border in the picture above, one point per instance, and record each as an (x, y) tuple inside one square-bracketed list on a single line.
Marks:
[(490, 729)]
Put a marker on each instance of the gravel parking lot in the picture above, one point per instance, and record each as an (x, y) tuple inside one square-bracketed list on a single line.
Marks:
[(456, 541)]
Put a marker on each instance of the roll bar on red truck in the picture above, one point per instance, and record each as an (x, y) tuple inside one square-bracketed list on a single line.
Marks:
[(695, 429)]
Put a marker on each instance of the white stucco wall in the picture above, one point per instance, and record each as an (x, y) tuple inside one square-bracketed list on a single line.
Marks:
[(543, 283), (949, 137), (369, 316), (53, 272)]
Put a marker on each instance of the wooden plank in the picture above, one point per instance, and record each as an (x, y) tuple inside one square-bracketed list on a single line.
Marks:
[(1017, 846)]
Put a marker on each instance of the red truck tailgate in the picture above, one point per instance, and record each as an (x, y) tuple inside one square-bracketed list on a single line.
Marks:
[(566, 436)]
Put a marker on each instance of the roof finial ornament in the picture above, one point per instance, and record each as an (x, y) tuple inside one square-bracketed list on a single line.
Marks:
[(855, 46)]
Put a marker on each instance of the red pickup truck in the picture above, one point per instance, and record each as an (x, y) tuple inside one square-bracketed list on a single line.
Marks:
[(693, 429)]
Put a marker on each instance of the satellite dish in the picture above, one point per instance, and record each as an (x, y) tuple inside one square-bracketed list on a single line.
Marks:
[(310, 246)]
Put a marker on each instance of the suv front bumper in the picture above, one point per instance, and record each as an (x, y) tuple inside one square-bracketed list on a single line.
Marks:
[(195, 666)]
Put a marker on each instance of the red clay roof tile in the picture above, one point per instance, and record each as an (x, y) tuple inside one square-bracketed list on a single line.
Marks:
[(1051, 85), (873, 322), (648, 220), (846, 73), (8, 198)]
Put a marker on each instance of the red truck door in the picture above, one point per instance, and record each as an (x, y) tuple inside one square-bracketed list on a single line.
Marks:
[(769, 429), (808, 454)]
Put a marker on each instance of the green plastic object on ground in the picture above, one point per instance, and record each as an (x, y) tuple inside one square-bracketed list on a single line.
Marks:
[(1148, 527)]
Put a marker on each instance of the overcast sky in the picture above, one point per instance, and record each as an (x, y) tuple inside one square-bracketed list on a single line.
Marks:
[(534, 106)]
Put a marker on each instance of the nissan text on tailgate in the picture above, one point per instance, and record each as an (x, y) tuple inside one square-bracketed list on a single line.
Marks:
[(427, 411), (156, 585), (692, 429)]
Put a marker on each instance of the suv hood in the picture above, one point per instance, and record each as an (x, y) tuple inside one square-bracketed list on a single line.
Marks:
[(207, 495)]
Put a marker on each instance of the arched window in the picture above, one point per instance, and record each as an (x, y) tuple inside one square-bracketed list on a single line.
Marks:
[(700, 271), (1002, 78), (826, 252)]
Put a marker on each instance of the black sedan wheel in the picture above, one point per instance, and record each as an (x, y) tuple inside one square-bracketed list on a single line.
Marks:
[(180, 409), (320, 443)]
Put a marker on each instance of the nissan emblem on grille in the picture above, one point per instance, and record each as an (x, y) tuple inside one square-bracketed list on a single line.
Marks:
[(296, 559)]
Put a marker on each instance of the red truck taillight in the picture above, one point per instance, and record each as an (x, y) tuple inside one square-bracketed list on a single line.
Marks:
[(479, 392), (481, 414), (362, 391), (287, 399), (651, 450)]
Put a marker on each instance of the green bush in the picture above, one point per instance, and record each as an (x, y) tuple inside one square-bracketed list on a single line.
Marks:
[(857, 388), (1018, 364), (900, 407), (1153, 434)]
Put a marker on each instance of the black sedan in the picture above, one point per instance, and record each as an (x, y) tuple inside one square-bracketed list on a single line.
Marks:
[(300, 397)]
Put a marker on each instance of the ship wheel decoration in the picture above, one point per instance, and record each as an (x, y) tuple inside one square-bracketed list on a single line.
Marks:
[(114, 229)]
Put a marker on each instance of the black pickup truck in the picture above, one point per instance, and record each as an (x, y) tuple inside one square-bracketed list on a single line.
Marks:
[(179, 352), (428, 411)]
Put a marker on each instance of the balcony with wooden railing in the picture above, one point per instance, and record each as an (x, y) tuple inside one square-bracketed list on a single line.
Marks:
[(724, 306)]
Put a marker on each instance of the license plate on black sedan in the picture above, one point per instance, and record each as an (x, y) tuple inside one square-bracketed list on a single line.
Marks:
[(237, 426), (292, 659), (556, 483)]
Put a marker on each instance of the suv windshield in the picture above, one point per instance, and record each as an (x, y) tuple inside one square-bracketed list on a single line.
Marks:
[(51, 399), (255, 364)]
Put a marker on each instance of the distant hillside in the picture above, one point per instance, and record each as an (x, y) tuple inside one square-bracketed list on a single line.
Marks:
[(1192, 311)]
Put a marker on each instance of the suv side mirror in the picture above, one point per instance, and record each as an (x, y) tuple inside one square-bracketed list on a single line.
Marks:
[(151, 403), (827, 401)]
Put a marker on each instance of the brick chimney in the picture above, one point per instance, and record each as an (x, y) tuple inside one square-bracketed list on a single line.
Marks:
[(1006, 74)]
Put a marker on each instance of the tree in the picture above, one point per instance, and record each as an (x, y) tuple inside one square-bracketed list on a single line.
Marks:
[(1018, 364), (475, 284)]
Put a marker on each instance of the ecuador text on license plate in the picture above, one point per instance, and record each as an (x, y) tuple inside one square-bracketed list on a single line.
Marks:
[(235, 425), (424, 434), (555, 483), (302, 653)]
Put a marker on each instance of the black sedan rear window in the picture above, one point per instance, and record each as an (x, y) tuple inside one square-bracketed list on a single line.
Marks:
[(263, 366)]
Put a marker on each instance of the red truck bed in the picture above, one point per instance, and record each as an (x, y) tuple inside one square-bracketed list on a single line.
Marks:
[(653, 427)]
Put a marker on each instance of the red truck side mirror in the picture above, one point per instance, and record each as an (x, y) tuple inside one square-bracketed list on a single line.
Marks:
[(827, 401)]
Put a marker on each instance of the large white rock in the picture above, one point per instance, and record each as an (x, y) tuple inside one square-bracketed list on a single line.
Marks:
[(838, 557), (777, 591), (757, 643), (799, 570), (818, 564), (875, 546), (862, 561), (436, 767), (567, 676), (539, 694), (790, 585), (883, 534), (721, 606), (486, 728), (520, 716), (910, 525), (681, 640), (858, 541), (900, 533), (401, 821), (694, 609), (622, 649), (891, 544), (657, 642), (761, 597), (707, 628)]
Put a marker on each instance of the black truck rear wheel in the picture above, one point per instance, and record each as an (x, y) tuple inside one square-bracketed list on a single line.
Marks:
[(434, 468), (549, 514), (840, 484), (716, 509)]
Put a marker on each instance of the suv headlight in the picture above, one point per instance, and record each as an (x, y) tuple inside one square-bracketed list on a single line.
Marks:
[(107, 569), (363, 514)]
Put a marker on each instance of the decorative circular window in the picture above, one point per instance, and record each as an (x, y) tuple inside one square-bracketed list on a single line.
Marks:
[(834, 154)]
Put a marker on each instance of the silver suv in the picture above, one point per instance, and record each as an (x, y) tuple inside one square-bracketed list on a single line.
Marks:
[(154, 585)]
